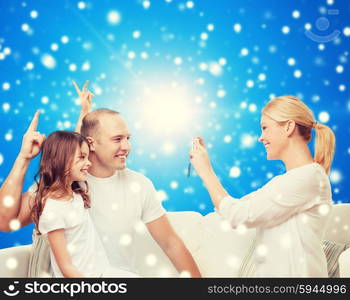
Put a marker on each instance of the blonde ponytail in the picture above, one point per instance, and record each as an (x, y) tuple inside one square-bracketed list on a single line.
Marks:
[(324, 146), (284, 108)]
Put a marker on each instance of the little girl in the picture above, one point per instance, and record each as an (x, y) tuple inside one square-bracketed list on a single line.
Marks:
[(61, 209)]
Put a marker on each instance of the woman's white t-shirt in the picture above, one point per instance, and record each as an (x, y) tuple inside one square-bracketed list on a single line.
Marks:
[(83, 243), (290, 213)]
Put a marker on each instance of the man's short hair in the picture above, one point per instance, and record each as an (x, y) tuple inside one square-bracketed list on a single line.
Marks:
[(90, 123)]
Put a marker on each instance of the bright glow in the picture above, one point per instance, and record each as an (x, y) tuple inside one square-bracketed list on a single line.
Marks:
[(72, 67), (6, 86), (178, 61), (285, 29), (215, 69), (11, 263), (296, 14), (44, 100), (86, 66), (151, 260), (336, 176), (161, 195), (227, 139), (14, 225), (185, 274), (244, 52), (339, 69), (221, 93), (29, 66), (323, 116), (54, 47), (146, 4), (346, 31), (204, 36), (262, 77), (113, 17), (8, 201), (291, 61), (307, 26), (261, 250), (174, 185), (6, 107), (125, 239), (64, 39), (33, 14), (81, 5), (342, 87), (25, 27), (168, 147), (210, 27), (324, 209), (136, 34), (297, 74), (235, 172), (190, 4), (250, 83), (166, 109), (237, 28), (247, 141)]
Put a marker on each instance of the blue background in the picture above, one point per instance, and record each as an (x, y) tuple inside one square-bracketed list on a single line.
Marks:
[(204, 67)]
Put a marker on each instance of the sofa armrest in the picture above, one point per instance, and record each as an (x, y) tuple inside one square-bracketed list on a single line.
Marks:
[(344, 264), (14, 261)]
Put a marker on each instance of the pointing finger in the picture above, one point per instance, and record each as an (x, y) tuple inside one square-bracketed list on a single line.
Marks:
[(34, 124)]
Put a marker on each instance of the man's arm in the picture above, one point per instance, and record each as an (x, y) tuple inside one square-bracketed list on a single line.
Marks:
[(14, 204), (163, 233), (86, 103)]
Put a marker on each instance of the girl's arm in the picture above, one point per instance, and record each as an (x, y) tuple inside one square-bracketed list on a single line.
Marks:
[(58, 245)]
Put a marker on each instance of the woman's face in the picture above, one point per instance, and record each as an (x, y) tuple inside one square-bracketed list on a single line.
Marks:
[(274, 137), (81, 163)]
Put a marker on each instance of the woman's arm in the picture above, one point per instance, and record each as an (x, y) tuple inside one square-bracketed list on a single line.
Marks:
[(58, 245), (201, 163)]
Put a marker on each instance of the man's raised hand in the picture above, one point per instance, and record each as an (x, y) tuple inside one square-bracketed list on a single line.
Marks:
[(85, 97)]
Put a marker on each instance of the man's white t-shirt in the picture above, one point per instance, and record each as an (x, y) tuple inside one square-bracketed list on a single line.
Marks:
[(118, 204), (290, 213)]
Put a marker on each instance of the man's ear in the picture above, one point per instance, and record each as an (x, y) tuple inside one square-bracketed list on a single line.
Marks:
[(290, 127), (92, 142)]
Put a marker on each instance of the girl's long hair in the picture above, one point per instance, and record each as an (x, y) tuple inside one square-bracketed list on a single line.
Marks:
[(284, 108), (57, 157)]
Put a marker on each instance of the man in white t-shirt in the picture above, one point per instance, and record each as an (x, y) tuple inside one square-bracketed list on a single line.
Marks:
[(121, 198)]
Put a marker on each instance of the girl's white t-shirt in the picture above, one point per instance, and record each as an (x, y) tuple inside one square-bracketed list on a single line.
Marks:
[(83, 243), (290, 213)]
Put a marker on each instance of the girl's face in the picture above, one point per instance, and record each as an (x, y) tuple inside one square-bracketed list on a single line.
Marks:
[(274, 137), (80, 164)]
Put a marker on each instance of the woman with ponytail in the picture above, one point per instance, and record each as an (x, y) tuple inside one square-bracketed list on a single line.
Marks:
[(291, 211)]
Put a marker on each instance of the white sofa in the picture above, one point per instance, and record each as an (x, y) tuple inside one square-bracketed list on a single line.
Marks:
[(218, 249)]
